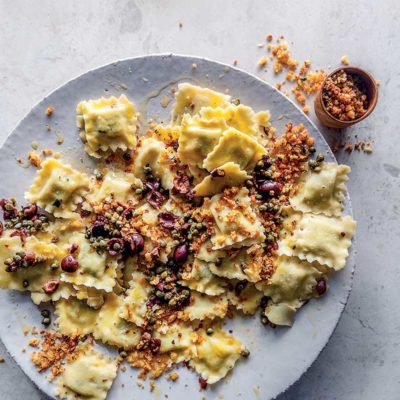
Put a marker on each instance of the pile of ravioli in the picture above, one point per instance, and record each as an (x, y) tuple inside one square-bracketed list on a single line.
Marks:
[(218, 143)]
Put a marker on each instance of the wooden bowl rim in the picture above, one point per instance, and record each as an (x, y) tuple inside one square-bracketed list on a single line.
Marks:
[(364, 74)]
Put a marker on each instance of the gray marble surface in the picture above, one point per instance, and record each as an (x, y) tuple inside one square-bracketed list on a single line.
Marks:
[(45, 43)]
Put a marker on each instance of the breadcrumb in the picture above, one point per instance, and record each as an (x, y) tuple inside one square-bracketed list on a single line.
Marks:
[(34, 159), (345, 60), (173, 376), (262, 62), (49, 111), (235, 61)]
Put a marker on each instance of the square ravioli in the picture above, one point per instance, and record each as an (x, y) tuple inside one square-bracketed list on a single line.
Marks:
[(236, 224), (107, 125), (90, 377), (58, 188), (320, 238)]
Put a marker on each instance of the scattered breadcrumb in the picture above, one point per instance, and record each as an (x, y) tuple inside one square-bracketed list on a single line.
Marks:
[(34, 159), (180, 24), (23, 349), (47, 152), (378, 82), (49, 111), (345, 60), (194, 66), (262, 62), (173, 376), (60, 138), (306, 109), (2, 360), (152, 386), (123, 368), (235, 62), (35, 145), (48, 127), (33, 342), (366, 146), (54, 348), (269, 38)]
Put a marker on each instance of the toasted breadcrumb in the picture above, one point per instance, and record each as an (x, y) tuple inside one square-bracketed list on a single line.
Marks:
[(34, 342), (54, 348), (180, 24), (2, 360), (345, 60), (49, 111), (235, 61), (269, 38), (262, 62), (194, 66), (173, 376), (34, 159)]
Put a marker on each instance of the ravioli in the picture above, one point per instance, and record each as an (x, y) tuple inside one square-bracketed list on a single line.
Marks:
[(216, 355), (90, 377), (322, 239), (236, 223), (234, 146), (198, 138), (107, 125), (226, 175), (189, 99), (239, 117), (322, 192), (58, 188)]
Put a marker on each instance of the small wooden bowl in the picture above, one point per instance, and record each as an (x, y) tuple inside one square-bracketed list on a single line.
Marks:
[(372, 93)]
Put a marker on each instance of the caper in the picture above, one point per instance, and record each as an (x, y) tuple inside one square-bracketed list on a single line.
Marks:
[(18, 226), (312, 149), (120, 209), (53, 267), (270, 238), (260, 164), (138, 191), (320, 157), (210, 331), (263, 207), (245, 353), (46, 321), (159, 294), (45, 313), (163, 245), (159, 270), (164, 274), (43, 218), (123, 354), (312, 164), (25, 284), (185, 292), (250, 183), (259, 197), (172, 302), (38, 223), (116, 246), (264, 320)]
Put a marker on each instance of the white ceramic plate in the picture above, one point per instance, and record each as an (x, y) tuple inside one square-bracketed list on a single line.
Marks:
[(278, 357)]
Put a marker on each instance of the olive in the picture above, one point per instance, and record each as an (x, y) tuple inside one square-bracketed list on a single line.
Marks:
[(321, 287), (181, 254), (69, 264), (270, 188)]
